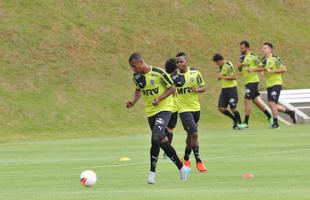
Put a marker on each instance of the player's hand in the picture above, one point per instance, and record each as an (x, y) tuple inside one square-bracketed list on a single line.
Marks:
[(269, 70), (195, 89), (155, 102), (129, 104), (251, 69)]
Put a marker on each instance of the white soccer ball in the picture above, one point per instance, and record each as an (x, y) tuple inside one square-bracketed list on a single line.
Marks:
[(88, 178)]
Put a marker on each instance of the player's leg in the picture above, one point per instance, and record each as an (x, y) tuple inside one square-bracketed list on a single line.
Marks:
[(233, 102), (273, 96), (222, 107), (170, 127), (259, 103), (195, 143), (247, 103), (160, 127), (185, 116), (281, 108)]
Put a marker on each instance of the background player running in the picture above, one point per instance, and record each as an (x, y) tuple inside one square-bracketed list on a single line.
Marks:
[(229, 93), (157, 90), (170, 67), (250, 65), (274, 68), (189, 84)]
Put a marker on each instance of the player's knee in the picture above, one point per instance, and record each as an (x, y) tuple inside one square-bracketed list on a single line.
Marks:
[(221, 109), (156, 139), (234, 110)]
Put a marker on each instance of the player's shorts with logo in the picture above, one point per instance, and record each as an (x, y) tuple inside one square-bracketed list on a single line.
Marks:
[(158, 124), (229, 96), (190, 121), (251, 91), (273, 93), (173, 120)]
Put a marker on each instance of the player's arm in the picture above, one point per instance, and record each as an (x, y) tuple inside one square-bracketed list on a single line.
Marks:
[(136, 97), (201, 85), (169, 91), (259, 64), (280, 68), (229, 78)]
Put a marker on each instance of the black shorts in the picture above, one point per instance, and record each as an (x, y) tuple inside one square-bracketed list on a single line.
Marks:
[(173, 120), (158, 124), (229, 96), (251, 91), (274, 93), (190, 121)]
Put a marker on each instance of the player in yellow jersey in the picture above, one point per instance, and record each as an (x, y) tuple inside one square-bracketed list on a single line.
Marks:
[(250, 65), (156, 88), (189, 83), (274, 68), (171, 67), (229, 93)]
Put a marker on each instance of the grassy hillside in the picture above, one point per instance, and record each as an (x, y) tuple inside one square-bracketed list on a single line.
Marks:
[(63, 64)]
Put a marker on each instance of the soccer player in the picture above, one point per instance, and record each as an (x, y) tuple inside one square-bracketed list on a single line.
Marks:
[(250, 65), (189, 84), (157, 89), (170, 67), (229, 93), (274, 68)]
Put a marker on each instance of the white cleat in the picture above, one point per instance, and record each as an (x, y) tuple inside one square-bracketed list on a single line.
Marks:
[(151, 178), (184, 171)]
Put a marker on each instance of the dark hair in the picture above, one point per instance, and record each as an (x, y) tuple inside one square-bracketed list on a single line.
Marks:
[(181, 54), (245, 43), (170, 65), (217, 57), (135, 56), (268, 44)]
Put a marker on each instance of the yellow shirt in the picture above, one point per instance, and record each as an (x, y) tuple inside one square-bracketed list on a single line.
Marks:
[(250, 60), (273, 62), (227, 69)]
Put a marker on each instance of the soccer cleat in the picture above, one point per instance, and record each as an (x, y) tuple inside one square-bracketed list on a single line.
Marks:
[(235, 126), (187, 163), (293, 116), (275, 126), (270, 120), (242, 126), (151, 178), (184, 171), (201, 167)]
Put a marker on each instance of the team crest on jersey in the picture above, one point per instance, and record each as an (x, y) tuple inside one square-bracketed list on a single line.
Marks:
[(192, 80), (159, 121), (152, 82), (175, 76)]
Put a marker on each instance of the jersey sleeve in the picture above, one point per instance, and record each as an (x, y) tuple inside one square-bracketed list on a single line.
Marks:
[(136, 83), (200, 80), (278, 63), (165, 80)]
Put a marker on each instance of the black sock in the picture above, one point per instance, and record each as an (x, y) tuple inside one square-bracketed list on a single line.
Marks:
[(275, 120), (187, 153), (288, 112), (155, 148), (246, 119), (196, 153), (237, 117), (170, 136), (267, 113), (172, 154), (229, 114)]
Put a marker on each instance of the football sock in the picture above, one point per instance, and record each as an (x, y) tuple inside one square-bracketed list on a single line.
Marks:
[(275, 120), (229, 114), (237, 117), (172, 154), (187, 153), (267, 113), (196, 153), (246, 119), (155, 148)]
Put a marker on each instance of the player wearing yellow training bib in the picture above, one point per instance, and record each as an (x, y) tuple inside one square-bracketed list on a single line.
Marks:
[(274, 68), (156, 88), (250, 65), (229, 93), (189, 83)]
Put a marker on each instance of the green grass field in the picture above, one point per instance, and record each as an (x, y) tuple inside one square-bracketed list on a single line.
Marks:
[(49, 169)]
